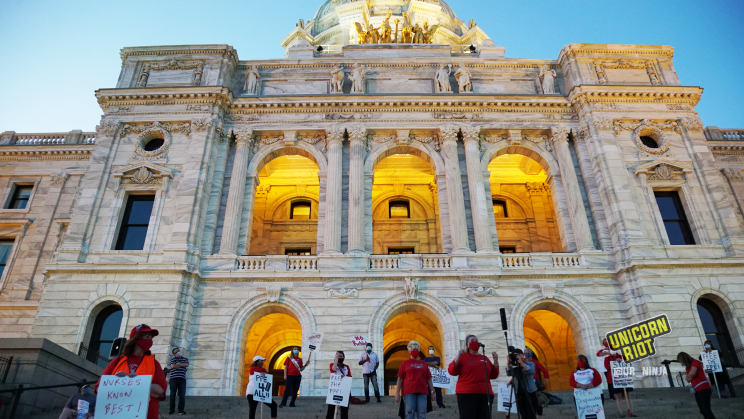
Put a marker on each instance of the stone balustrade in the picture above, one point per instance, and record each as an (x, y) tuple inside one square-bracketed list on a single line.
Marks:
[(562, 260), (302, 263), (377, 262), (436, 262), (724, 134), (251, 263), (49, 138), (517, 260)]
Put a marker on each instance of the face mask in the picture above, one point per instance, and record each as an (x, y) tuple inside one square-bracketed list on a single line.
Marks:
[(431, 351), (295, 352), (415, 353), (528, 355), (145, 344), (581, 364), (178, 354), (607, 345), (369, 349), (473, 345), (86, 391), (707, 346), (341, 360)]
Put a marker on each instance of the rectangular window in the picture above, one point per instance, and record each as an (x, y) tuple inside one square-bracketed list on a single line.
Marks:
[(20, 197), (675, 221), (136, 220), (508, 249), (5, 247), (298, 252), (400, 209), (300, 211), (401, 250), (499, 209)]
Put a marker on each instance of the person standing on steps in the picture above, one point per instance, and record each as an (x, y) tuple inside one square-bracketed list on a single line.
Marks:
[(435, 361), (414, 384), (540, 384), (474, 392), (720, 377), (293, 368), (695, 375), (136, 359), (177, 381), (339, 368), (257, 367), (585, 377), (609, 355), (369, 362), (526, 403)]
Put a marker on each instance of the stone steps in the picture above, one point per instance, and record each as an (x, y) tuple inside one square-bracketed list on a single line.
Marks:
[(659, 403)]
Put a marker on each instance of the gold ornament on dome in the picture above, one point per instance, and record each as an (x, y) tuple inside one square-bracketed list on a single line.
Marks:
[(384, 34)]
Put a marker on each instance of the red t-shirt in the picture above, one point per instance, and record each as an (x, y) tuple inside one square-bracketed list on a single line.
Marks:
[(291, 369), (415, 374), (256, 369), (699, 376), (540, 368), (158, 378), (607, 360), (472, 374), (346, 369)]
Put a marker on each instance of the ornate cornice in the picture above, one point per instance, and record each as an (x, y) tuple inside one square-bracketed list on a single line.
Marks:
[(678, 95), (46, 152), (207, 95)]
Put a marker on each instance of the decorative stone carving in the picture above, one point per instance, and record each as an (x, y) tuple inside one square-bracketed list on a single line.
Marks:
[(601, 77), (148, 134), (335, 134), (441, 79), (462, 75), (241, 118), (173, 64), (411, 288), (122, 109), (346, 116), (492, 139), (343, 293), (243, 136), (480, 292), (58, 179), (262, 191), (733, 174), (434, 140), (273, 293), (515, 137), (143, 174), (169, 127), (318, 141), (547, 80), (603, 106), (648, 128), (559, 135), (691, 123), (358, 74), (251, 81), (537, 188), (202, 124), (663, 169), (679, 107), (471, 134), (457, 115), (602, 123), (337, 79), (652, 75), (664, 172), (449, 133), (107, 128), (547, 289), (626, 64)]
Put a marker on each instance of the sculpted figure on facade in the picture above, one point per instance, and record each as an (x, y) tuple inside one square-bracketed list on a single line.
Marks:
[(462, 75), (441, 79), (406, 31), (251, 81), (411, 288), (337, 79), (357, 78), (386, 31), (548, 80)]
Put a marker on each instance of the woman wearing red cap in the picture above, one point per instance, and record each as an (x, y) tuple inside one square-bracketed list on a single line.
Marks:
[(135, 360)]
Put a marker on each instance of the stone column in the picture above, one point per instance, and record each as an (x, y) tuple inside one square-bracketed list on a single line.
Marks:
[(235, 196), (537, 193), (332, 237), (478, 206), (455, 200), (579, 220), (357, 136)]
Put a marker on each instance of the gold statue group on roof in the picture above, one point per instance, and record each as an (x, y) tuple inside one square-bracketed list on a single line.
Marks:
[(409, 34)]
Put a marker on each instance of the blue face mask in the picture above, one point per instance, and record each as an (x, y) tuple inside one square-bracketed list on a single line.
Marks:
[(86, 391), (707, 346), (295, 352), (528, 355)]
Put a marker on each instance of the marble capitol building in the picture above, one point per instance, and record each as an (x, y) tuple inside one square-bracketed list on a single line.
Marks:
[(394, 176)]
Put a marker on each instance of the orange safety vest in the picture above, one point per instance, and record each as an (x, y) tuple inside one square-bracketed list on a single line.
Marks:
[(145, 367)]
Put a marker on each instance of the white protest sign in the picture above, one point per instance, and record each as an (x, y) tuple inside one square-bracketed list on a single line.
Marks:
[(339, 389), (82, 408), (440, 377), (313, 341), (506, 399), (600, 367), (262, 387), (589, 403), (711, 361), (123, 397), (622, 374), (359, 340)]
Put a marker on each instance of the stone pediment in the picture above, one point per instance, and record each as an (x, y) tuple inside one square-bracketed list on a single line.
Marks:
[(662, 169), (144, 173)]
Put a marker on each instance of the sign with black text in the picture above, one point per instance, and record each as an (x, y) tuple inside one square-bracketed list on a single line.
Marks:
[(440, 377), (339, 389), (123, 397), (711, 361), (637, 341), (589, 403), (262, 387), (313, 341), (506, 399), (622, 374)]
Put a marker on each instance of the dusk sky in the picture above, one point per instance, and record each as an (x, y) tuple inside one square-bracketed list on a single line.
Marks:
[(55, 54)]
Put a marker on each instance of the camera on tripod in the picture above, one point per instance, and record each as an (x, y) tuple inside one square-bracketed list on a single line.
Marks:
[(513, 357)]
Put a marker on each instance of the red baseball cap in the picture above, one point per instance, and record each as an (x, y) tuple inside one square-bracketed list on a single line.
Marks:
[(142, 328)]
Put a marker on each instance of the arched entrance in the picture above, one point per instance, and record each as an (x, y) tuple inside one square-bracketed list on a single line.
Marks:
[(272, 336), (716, 328), (550, 337)]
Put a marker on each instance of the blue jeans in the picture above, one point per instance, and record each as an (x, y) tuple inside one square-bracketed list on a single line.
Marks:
[(415, 404)]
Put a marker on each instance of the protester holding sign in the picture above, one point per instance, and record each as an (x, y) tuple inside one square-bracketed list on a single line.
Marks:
[(435, 361), (414, 383), (293, 368), (369, 362), (472, 385), (85, 395), (622, 383), (586, 378), (339, 368), (257, 367), (695, 375), (716, 375), (136, 359), (609, 356)]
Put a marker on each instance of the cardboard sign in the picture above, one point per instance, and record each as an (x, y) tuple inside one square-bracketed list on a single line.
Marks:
[(506, 399), (359, 340), (600, 365), (711, 361), (589, 403), (82, 408), (123, 397), (313, 341), (622, 374), (262, 387), (637, 341), (339, 389), (440, 377)]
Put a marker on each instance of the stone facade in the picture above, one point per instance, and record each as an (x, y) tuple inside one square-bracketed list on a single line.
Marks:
[(578, 183)]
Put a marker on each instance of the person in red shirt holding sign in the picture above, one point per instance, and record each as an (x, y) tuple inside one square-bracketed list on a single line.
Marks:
[(695, 375), (472, 385), (339, 368), (293, 368), (136, 359), (257, 367), (585, 376), (414, 383)]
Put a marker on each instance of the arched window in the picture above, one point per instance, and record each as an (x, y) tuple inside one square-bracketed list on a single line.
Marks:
[(714, 325), (105, 330), (399, 209), (300, 210)]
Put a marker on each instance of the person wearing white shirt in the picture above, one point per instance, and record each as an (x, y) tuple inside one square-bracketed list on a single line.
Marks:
[(369, 362)]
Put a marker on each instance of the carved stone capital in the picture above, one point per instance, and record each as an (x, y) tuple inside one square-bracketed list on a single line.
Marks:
[(733, 174), (273, 293), (559, 135), (448, 133), (243, 136), (107, 128), (471, 134), (357, 135), (691, 123), (335, 135), (514, 137), (58, 179)]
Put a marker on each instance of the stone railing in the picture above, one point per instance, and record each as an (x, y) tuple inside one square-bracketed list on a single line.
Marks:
[(251, 263), (302, 263), (436, 262), (377, 262), (516, 260), (724, 134), (49, 138), (566, 260)]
